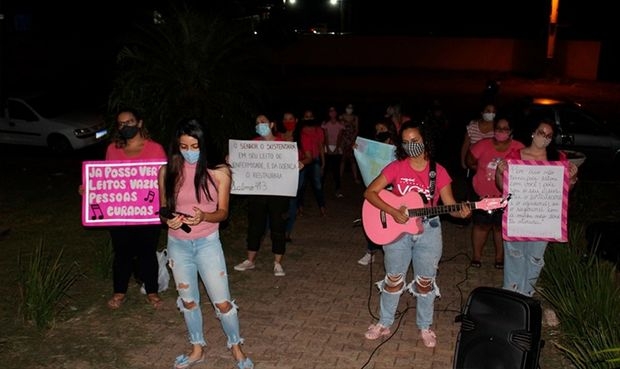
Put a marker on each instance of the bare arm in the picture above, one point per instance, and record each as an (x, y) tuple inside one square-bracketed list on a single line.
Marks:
[(499, 174), (307, 158), (471, 161), (464, 149), (177, 221), (447, 198), (223, 178), (572, 174)]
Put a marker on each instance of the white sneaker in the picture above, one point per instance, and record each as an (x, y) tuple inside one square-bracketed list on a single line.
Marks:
[(246, 265), (366, 259), (278, 271)]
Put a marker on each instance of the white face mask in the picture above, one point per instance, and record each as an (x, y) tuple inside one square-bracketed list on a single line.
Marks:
[(488, 116), (541, 141), (349, 110)]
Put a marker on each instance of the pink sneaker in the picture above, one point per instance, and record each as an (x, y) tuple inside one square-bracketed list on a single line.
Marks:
[(376, 331), (428, 337)]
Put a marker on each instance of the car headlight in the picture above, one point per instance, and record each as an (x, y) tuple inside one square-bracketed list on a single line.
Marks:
[(81, 132)]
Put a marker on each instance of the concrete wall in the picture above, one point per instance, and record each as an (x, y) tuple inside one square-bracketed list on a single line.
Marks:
[(573, 59)]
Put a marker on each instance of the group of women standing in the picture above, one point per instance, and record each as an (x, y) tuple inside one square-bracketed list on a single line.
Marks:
[(487, 146), (197, 191)]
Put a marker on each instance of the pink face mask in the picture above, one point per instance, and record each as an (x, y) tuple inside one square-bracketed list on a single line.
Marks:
[(501, 136)]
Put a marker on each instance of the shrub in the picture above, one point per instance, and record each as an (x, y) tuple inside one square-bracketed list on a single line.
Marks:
[(43, 283), (584, 292)]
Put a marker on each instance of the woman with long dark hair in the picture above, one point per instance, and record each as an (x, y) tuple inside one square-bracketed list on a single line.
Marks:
[(196, 193), (524, 260)]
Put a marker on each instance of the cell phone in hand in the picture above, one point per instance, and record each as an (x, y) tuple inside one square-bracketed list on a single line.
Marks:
[(168, 214)]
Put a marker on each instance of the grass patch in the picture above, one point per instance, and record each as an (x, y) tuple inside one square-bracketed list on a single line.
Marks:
[(43, 286)]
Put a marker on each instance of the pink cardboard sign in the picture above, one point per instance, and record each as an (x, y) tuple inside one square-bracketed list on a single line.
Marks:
[(538, 206), (118, 192)]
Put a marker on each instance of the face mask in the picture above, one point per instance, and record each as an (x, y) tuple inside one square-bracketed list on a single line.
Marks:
[(501, 136), (382, 136), (129, 132), (540, 141), (349, 110), (413, 149), (190, 156), (488, 116), (263, 129), (289, 125)]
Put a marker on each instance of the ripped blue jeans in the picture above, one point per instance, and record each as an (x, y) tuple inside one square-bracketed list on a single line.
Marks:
[(204, 256), (423, 251), (523, 261)]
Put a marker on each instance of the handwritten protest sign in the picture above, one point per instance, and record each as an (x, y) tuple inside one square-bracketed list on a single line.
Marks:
[(118, 192), (538, 207), (371, 157), (263, 167)]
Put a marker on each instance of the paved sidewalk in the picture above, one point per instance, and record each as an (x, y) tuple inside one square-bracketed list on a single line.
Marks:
[(316, 316)]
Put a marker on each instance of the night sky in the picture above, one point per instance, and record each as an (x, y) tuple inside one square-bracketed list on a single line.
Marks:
[(61, 34), (478, 18)]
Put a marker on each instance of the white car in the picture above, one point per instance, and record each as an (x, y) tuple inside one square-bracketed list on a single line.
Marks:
[(38, 121)]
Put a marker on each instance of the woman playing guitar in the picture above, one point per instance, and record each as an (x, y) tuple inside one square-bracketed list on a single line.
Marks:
[(409, 177)]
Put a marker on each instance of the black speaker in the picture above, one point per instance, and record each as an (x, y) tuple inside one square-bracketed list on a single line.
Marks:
[(500, 329)]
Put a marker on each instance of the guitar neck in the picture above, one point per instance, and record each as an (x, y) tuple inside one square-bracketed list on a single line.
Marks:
[(437, 210)]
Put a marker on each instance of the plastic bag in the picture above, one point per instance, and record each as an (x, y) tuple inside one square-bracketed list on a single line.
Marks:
[(163, 276)]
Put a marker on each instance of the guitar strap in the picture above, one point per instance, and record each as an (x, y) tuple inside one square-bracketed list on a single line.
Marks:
[(432, 175)]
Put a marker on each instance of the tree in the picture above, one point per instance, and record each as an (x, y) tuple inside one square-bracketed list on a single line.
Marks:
[(190, 63)]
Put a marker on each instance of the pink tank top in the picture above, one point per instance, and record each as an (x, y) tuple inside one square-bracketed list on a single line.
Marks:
[(186, 200)]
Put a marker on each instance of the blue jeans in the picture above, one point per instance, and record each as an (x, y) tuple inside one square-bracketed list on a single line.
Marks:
[(423, 251), (203, 256), (523, 262), (292, 210), (313, 175)]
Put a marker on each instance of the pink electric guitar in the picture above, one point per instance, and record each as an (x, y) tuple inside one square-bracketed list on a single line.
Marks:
[(381, 228)]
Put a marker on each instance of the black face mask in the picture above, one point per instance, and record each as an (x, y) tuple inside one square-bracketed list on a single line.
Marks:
[(129, 132), (382, 136)]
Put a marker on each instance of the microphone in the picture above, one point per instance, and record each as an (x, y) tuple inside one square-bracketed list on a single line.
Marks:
[(166, 213)]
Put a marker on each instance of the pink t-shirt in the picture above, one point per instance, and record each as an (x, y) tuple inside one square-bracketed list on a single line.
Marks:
[(487, 157), (311, 139), (516, 154), (332, 130), (186, 200), (404, 179), (151, 150)]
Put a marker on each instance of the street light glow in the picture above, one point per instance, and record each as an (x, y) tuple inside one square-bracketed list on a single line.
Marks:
[(333, 2)]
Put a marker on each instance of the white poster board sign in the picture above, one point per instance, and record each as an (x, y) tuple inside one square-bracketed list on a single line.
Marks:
[(371, 157), (263, 167), (538, 206)]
